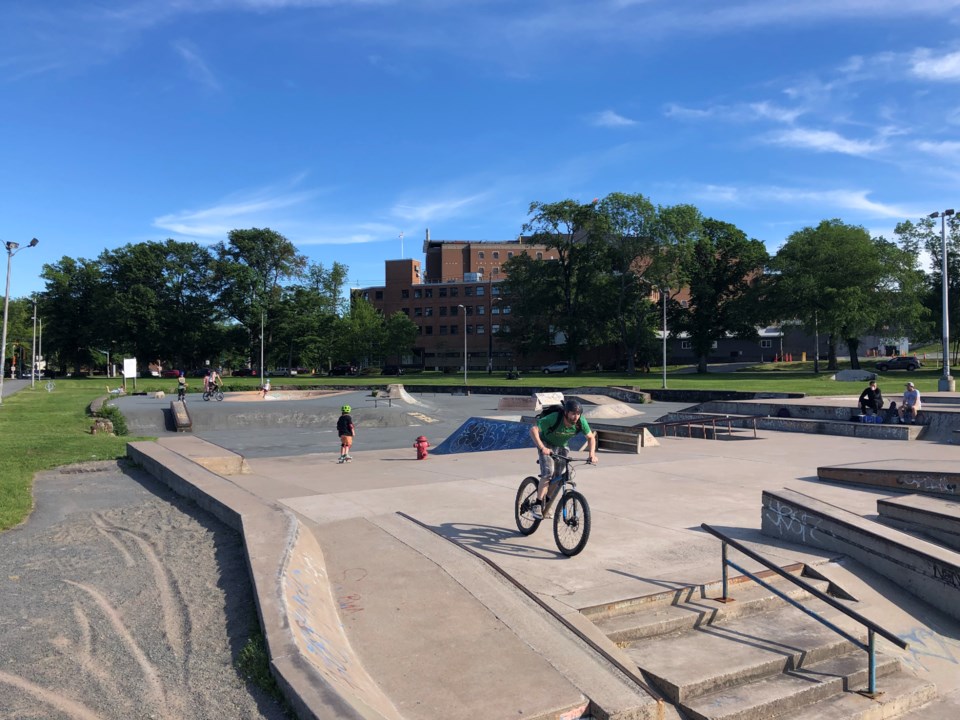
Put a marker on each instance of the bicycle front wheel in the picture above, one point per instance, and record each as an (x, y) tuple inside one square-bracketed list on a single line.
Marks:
[(571, 523), (527, 524), (218, 395)]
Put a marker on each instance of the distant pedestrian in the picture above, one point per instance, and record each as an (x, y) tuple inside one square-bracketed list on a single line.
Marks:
[(182, 387), (346, 430), (265, 388)]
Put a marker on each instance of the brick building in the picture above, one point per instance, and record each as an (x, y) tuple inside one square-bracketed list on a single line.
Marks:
[(454, 299)]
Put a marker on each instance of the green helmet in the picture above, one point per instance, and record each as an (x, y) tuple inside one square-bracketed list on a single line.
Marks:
[(345, 409)]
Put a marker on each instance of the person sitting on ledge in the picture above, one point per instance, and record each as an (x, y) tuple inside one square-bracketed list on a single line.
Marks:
[(871, 400)]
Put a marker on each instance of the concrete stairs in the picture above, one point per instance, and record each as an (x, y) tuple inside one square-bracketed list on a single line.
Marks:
[(755, 657), (930, 517)]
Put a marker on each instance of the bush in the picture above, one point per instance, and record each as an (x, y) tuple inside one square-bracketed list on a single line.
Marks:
[(113, 414)]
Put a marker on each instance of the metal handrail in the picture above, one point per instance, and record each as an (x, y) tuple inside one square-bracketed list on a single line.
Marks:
[(872, 627), (704, 422)]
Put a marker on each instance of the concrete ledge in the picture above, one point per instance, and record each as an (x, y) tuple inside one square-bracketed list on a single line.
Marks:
[(926, 570), (930, 479), (839, 427), (937, 518)]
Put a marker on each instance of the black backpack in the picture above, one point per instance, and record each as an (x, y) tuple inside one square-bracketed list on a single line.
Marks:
[(556, 408)]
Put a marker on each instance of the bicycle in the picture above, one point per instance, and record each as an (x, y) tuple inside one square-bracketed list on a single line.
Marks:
[(571, 516), (213, 392)]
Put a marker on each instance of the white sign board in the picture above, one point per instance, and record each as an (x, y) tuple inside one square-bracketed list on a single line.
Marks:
[(129, 367)]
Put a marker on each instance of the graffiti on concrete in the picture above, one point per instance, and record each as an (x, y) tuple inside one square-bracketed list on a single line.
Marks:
[(928, 483), (484, 434), (928, 648), (946, 575), (793, 523)]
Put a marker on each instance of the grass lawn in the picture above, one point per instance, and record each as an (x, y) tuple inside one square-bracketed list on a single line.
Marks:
[(41, 430)]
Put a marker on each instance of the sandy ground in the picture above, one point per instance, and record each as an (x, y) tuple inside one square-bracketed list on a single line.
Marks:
[(121, 600)]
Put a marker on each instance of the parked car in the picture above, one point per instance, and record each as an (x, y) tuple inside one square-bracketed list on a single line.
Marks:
[(345, 369), (391, 370), (242, 372), (561, 366), (149, 373), (302, 371), (172, 373), (902, 362), (199, 372)]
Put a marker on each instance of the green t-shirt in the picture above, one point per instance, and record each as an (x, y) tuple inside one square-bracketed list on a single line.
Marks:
[(563, 434)]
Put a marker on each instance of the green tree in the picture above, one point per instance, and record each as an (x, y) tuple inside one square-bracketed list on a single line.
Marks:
[(531, 291), (400, 333), (361, 333), (73, 310), (722, 271), (838, 279), (566, 227)]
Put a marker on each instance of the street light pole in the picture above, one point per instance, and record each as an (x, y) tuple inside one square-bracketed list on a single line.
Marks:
[(464, 345), (663, 292), (946, 383), (33, 350), (12, 249)]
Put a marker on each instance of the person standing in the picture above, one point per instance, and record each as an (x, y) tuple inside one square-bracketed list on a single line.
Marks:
[(346, 430), (910, 405), (871, 400), (182, 387)]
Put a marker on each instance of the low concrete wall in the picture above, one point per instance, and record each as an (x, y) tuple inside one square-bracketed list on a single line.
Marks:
[(928, 571)]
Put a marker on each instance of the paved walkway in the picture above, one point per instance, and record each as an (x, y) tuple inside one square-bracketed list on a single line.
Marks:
[(401, 602)]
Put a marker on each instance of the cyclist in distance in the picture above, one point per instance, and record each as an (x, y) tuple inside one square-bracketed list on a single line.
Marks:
[(551, 434), (215, 383)]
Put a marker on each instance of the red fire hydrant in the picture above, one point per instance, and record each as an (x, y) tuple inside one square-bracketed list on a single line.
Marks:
[(421, 445)]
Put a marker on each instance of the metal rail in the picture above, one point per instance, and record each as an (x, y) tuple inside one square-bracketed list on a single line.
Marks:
[(688, 424), (873, 628)]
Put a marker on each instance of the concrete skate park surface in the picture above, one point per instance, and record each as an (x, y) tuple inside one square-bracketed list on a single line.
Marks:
[(395, 621)]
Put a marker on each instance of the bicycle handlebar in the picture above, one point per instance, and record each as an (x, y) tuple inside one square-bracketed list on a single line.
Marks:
[(569, 460)]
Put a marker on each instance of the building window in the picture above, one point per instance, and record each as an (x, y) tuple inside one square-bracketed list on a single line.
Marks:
[(480, 255), (428, 329), (418, 312), (469, 329), (365, 295), (494, 329), (405, 294), (495, 291), (479, 290), (417, 294), (766, 343), (428, 293), (495, 310), (454, 292), (428, 312), (506, 329), (506, 309), (379, 295), (481, 309), (686, 345), (496, 271), (443, 292), (509, 254), (419, 330), (454, 310), (405, 311), (453, 329), (469, 309), (496, 254), (480, 329), (468, 291), (443, 329), (443, 311), (539, 256)]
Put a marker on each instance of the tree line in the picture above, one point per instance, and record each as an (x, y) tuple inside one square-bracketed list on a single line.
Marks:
[(618, 259), (619, 256)]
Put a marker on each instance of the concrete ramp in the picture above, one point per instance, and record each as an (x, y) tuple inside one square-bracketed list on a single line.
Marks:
[(396, 391), (180, 416), (915, 476), (483, 434), (547, 398), (517, 402)]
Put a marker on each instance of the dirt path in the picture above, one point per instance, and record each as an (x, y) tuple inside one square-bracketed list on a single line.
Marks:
[(121, 600)]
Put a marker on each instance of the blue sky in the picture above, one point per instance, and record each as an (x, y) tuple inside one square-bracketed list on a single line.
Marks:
[(343, 123)]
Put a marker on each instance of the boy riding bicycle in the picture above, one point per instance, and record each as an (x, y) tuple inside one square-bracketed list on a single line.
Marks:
[(551, 434)]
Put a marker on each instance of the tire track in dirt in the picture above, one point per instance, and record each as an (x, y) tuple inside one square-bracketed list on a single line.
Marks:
[(150, 673), (173, 608), (102, 528), (76, 711)]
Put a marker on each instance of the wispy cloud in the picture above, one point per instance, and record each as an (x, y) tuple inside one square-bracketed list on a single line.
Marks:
[(946, 147), (434, 210), (823, 141), (197, 68), (258, 208), (611, 118), (740, 112), (929, 66), (830, 201)]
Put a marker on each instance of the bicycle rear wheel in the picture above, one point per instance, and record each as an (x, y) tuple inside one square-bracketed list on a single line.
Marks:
[(527, 524), (571, 523), (206, 396)]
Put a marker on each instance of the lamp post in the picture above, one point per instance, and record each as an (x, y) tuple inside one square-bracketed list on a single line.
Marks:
[(107, 351), (464, 345), (33, 350), (490, 336), (946, 383), (12, 249), (664, 292)]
